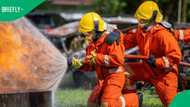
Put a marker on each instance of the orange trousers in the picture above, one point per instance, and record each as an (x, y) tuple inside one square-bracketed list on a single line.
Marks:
[(165, 83), (131, 98), (109, 90)]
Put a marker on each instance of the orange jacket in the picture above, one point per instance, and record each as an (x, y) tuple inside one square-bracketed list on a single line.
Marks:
[(109, 58), (159, 42), (183, 35), (130, 39)]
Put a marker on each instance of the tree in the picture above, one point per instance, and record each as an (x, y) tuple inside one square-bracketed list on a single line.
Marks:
[(184, 10), (110, 7)]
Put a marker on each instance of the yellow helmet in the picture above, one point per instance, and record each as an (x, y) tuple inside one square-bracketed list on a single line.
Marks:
[(146, 9), (91, 21)]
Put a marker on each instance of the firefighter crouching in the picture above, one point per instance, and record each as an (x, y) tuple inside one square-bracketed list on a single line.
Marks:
[(157, 42)]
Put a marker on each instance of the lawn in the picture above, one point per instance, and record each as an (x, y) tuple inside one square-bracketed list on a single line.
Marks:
[(151, 99), (78, 98)]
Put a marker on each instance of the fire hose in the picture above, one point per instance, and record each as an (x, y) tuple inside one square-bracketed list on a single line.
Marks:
[(146, 57)]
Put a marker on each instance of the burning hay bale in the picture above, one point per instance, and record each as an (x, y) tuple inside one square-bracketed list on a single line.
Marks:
[(28, 61)]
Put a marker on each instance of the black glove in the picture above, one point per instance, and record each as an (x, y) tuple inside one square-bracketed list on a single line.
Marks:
[(152, 61)]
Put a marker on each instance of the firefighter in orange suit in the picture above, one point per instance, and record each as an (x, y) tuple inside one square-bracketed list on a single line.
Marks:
[(104, 53), (155, 41)]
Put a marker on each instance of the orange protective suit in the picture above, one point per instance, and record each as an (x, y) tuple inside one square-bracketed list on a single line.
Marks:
[(129, 97), (182, 35), (109, 69), (130, 94), (159, 42), (129, 38)]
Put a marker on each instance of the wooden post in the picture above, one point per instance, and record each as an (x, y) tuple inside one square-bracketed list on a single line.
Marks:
[(179, 11), (26, 99), (184, 10)]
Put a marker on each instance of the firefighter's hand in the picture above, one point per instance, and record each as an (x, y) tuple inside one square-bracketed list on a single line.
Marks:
[(76, 63), (152, 61), (127, 74), (92, 58)]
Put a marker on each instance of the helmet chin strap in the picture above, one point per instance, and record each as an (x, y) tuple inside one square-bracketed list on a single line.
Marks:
[(96, 35), (148, 26), (96, 32)]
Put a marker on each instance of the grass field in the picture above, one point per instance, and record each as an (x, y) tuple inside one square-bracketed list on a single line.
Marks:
[(72, 97), (78, 98), (151, 99)]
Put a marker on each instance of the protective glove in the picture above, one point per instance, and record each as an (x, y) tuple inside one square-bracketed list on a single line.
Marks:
[(76, 63), (92, 57), (152, 61)]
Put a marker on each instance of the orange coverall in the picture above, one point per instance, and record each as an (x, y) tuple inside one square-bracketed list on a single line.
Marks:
[(159, 42), (182, 35), (130, 94), (131, 98), (109, 69)]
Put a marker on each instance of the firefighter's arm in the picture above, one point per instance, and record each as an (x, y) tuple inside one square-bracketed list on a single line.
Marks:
[(82, 65), (130, 39), (87, 67), (183, 35), (114, 58), (171, 50), (187, 35), (114, 51)]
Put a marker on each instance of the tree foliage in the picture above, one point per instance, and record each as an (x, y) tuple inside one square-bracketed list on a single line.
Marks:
[(110, 7), (116, 7)]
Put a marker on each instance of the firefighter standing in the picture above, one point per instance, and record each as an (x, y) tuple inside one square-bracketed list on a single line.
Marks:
[(155, 41)]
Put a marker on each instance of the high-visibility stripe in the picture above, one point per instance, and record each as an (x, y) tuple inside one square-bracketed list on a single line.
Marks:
[(122, 98), (166, 62), (106, 60), (181, 35)]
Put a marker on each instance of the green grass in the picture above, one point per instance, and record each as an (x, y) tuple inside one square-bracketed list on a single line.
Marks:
[(150, 99), (72, 97), (78, 98)]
